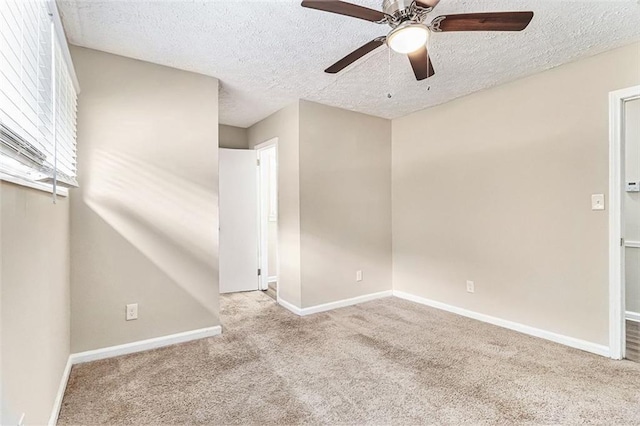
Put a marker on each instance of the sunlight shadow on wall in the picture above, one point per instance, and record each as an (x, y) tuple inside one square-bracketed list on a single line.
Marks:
[(171, 220)]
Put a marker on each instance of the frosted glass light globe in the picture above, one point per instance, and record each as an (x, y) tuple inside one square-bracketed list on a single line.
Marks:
[(408, 38)]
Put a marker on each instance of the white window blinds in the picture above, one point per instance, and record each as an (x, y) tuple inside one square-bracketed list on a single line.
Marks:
[(37, 96), (66, 101)]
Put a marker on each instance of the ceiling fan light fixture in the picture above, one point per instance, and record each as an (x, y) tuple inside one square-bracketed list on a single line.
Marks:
[(408, 37)]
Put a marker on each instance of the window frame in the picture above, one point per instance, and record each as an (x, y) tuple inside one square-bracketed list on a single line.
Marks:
[(60, 39)]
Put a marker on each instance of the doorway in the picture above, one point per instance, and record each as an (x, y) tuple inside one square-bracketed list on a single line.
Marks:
[(624, 223), (248, 190), (238, 192), (267, 153)]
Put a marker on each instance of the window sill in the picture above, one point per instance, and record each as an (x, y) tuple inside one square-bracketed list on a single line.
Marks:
[(63, 192)]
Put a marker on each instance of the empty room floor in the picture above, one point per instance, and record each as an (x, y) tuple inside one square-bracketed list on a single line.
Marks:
[(381, 362)]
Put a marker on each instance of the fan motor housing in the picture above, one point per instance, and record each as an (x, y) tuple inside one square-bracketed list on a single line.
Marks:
[(400, 11), (391, 7)]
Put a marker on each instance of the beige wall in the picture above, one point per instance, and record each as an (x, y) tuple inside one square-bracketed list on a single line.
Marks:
[(233, 137), (284, 125), (495, 188), (632, 205), (334, 211), (345, 203), (34, 288), (145, 219)]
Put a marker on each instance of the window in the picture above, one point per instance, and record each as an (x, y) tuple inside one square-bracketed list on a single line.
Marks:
[(38, 95)]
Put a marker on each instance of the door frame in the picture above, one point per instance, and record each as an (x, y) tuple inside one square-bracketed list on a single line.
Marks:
[(263, 247), (617, 318)]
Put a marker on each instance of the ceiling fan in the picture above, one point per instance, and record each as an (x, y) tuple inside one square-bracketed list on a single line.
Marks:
[(409, 34)]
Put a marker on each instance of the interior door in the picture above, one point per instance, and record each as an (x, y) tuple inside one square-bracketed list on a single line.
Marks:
[(238, 220)]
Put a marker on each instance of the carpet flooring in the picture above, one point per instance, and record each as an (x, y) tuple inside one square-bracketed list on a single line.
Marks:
[(388, 361)]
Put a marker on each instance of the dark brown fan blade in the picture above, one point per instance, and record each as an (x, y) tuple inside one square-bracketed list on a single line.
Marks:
[(343, 8), (355, 55), (421, 63), (499, 21), (425, 4)]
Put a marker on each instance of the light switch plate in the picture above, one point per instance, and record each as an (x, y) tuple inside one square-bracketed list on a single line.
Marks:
[(597, 202), (358, 275)]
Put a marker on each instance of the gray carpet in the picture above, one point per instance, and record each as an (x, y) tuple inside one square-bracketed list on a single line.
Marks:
[(383, 362)]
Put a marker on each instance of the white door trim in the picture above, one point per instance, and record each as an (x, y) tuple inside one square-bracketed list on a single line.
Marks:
[(616, 226), (263, 222), (267, 144)]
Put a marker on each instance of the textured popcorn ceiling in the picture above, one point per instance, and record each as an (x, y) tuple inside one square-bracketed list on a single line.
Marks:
[(269, 53)]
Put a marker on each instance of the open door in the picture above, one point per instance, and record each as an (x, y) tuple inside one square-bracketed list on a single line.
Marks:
[(238, 220)]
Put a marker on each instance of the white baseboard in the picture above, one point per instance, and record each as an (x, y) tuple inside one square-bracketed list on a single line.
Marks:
[(127, 348), (272, 279), (345, 302), (57, 403), (532, 331), (144, 345), (632, 316), (333, 305), (290, 306)]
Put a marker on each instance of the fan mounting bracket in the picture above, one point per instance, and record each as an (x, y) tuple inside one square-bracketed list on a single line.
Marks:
[(400, 11)]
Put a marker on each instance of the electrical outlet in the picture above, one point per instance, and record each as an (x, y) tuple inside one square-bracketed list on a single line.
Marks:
[(358, 275), (132, 311), (471, 287), (597, 202)]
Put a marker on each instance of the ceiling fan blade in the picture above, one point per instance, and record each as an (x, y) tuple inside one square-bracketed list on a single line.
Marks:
[(421, 63), (355, 55), (427, 4), (498, 21), (343, 8)]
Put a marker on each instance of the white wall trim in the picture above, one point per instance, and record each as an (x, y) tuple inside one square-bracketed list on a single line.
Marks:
[(345, 302), (57, 403), (532, 331), (288, 305), (632, 316), (144, 345), (267, 144), (263, 214), (616, 229), (40, 186), (334, 305), (127, 348), (272, 279)]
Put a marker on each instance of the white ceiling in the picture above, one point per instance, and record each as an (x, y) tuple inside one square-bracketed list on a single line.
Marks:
[(268, 53)]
